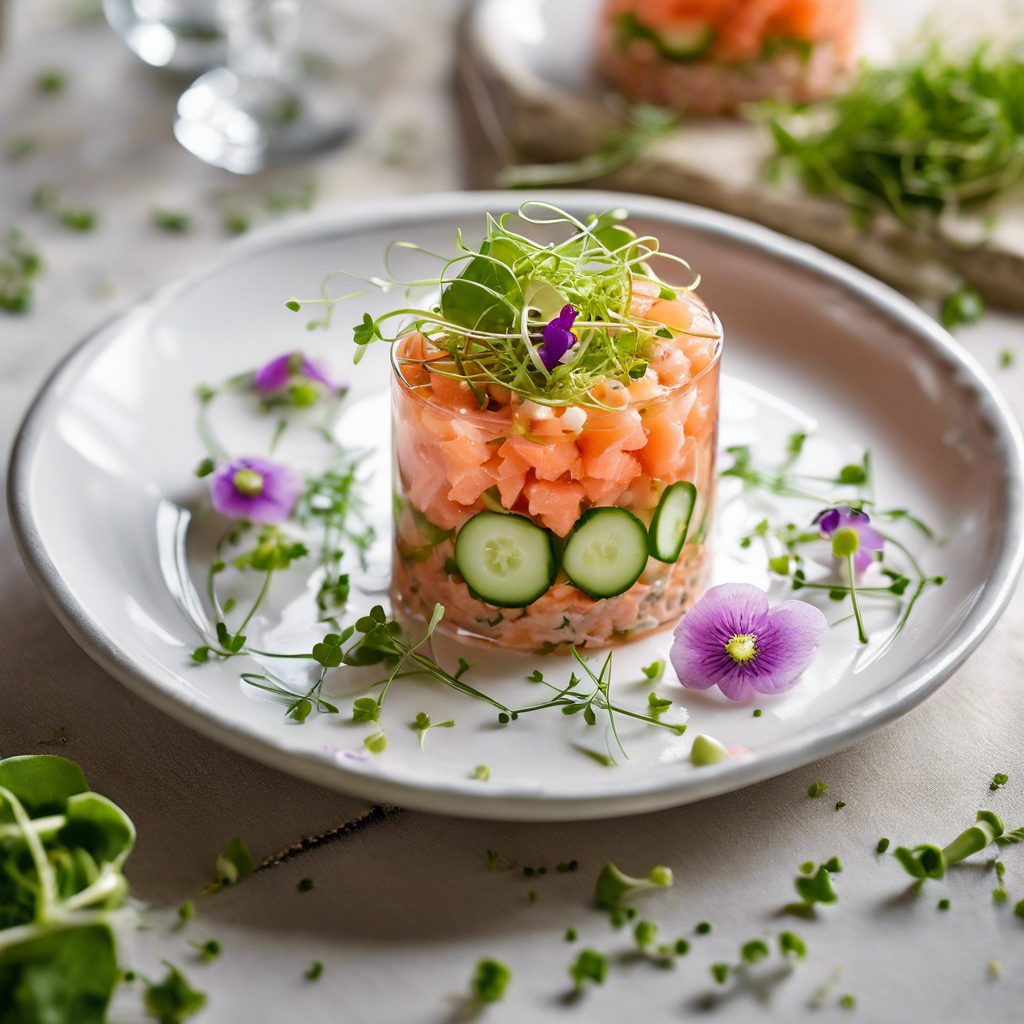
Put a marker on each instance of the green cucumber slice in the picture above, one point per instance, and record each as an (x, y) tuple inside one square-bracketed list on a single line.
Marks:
[(672, 520), (505, 559), (606, 552)]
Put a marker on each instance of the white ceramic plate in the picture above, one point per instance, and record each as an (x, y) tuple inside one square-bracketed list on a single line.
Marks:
[(102, 474)]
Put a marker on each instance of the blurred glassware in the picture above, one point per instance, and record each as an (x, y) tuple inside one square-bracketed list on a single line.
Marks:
[(184, 35), (262, 107)]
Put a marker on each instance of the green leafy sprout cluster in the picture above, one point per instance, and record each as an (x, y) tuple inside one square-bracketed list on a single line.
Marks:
[(494, 303)]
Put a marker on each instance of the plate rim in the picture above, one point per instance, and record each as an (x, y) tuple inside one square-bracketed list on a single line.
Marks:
[(862, 719)]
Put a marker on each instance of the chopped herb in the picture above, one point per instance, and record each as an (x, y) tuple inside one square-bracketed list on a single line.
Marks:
[(720, 972), (20, 147), (377, 743), (682, 947), (847, 1002), (234, 863), (174, 222), (531, 896), (173, 1000), (1019, 908), (316, 968), (570, 934), (490, 982), (840, 805), (481, 772), (657, 704), (655, 670), (999, 779), (305, 884), (19, 265), (964, 306), (754, 950), (590, 966), (77, 218), (757, 712), (816, 789), (790, 944), (703, 928), (208, 950), (807, 867), (1000, 895), (1006, 358), (59, 735), (944, 904), (883, 845), (568, 867), (645, 933), (186, 911), (817, 888), (51, 82), (832, 865)]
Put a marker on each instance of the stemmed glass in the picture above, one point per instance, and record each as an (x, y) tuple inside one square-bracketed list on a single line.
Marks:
[(261, 107)]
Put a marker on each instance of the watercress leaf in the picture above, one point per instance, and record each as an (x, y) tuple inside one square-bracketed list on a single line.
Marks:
[(376, 743), (42, 782), (98, 825), (234, 863), (480, 297), (300, 710)]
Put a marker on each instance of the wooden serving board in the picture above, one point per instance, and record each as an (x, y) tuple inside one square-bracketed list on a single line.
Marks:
[(512, 115)]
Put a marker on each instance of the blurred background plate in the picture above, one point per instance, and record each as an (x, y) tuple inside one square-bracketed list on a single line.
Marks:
[(102, 480)]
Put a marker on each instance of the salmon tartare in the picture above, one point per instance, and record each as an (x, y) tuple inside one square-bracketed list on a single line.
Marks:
[(711, 56), (555, 421)]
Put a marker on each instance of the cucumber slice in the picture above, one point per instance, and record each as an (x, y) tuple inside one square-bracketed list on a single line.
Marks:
[(672, 520), (505, 559), (606, 552), (685, 44)]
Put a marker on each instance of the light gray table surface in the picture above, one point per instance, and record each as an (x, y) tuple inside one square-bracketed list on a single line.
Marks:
[(403, 904)]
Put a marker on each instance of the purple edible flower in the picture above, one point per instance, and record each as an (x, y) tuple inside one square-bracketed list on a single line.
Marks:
[(255, 489), (558, 338), (731, 639), (843, 517), (283, 370)]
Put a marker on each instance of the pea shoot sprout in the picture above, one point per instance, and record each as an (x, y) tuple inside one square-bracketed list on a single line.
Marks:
[(613, 885)]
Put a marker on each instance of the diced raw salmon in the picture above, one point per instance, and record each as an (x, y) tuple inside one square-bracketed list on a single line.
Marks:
[(556, 505), (549, 461)]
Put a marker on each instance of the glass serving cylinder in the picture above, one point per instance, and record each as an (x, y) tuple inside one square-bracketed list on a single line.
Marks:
[(184, 35), (454, 459)]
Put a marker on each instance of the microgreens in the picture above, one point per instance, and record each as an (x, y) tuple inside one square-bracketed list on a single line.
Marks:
[(423, 724), (495, 303), (77, 218), (234, 863), (316, 968), (63, 848), (999, 780), (174, 222), (208, 951), (915, 139), (490, 982), (51, 81), (964, 306), (817, 887), (590, 967), (172, 1000), (613, 885)]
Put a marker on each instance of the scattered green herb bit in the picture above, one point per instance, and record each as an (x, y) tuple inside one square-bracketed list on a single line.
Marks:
[(59, 735), (19, 265), (567, 867), (20, 147), (754, 950), (205, 468), (613, 885), (757, 712), (656, 703), (376, 743), (305, 884), (1006, 358), (1019, 908), (129, 976), (1009, 838), (78, 218), (570, 934), (490, 982), (531, 896), (187, 911), (208, 950), (720, 972), (816, 789), (883, 845), (481, 772), (790, 944), (316, 968), (847, 1002), (590, 966), (645, 933), (807, 867), (703, 928), (944, 904), (682, 947), (995, 969), (655, 670), (173, 1000), (999, 779), (816, 889), (51, 82), (234, 863), (832, 865), (964, 306), (840, 805), (1000, 895), (707, 750), (174, 222), (293, 305)]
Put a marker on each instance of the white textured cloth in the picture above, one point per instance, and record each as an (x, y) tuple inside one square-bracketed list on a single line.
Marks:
[(403, 904)]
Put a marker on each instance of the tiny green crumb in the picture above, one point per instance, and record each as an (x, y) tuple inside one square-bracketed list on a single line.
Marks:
[(568, 867), (720, 972), (757, 712), (816, 789), (51, 82), (129, 976), (756, 949), (570, 934), (589, 966), (703, 928), (883, 845), (807, 867), (998, 780), (305, 884), (655, 670), (944, 904), (490, 981), (481, 772), (174, 222), (682, 947), (293, 305), (186, 911), (847, 1002), (78, 218), (531, 896), (172, 999), (1005, 358), (316, 968), (964, 306), (995, 969), (840, 804), (790, 944), (208, 950), (1019, 909), (999, 895)]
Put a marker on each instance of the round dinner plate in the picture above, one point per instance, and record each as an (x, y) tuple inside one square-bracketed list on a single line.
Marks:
[(111, 519)]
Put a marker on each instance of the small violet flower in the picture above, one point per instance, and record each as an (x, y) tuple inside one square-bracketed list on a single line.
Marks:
[(842, 517), (255, 489), (731, 639), (558, 338), (297, 371)]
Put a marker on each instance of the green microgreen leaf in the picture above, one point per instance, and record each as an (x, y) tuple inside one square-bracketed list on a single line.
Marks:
[(590, 967), (173, 1000), (234, 863), (490, 981)]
